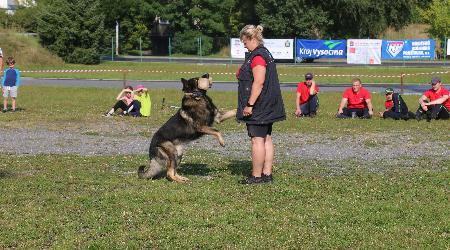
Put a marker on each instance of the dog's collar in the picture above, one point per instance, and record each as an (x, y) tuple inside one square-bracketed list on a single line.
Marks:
[(196, 93)]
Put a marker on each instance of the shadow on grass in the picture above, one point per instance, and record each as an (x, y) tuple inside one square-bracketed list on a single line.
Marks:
[(5, 174), (194, 169), (240, 167)]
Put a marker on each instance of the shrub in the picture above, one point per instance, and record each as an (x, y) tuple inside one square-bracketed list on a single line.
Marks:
[(188, 42), (84, 56)]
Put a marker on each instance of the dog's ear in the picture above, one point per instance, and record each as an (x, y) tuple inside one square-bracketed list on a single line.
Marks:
[(185, 84)]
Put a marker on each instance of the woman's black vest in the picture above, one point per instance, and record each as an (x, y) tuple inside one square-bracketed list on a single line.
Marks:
[(269, 106)]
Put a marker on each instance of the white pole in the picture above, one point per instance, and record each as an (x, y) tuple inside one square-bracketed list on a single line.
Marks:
[(117, 38)]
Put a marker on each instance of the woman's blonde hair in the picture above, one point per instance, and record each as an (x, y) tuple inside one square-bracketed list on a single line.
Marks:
[(250, 31)]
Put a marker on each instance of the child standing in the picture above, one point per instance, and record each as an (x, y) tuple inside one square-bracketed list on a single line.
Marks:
[(10, 83)]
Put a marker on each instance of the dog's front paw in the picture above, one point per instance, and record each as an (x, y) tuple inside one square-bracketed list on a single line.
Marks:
[(222, 142)]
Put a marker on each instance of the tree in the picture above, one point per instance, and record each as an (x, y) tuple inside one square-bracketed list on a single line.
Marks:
[(333, 18), (293, 18), (73, 30), (438, 17)]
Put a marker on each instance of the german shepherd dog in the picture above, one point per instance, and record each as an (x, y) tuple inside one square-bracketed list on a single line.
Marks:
[(193, 120)]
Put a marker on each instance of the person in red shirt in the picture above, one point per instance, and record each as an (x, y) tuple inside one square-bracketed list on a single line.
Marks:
[(307, 101), (435, 102), (356, 102)]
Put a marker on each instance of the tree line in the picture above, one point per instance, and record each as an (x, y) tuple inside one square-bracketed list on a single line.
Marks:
[(79, 31)]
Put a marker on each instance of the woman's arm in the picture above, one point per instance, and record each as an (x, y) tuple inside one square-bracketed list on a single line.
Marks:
[(259, 76)]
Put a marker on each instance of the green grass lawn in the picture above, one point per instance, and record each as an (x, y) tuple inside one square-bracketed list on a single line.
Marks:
[(68, 201), (98, 202), (69, 107), (226, 72)]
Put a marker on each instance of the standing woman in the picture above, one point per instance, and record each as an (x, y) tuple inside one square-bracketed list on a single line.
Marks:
[(260, 103)]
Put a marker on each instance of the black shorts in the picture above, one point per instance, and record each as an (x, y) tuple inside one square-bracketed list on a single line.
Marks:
[(259, 130)]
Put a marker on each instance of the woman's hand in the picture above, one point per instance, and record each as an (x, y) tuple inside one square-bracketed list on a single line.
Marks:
[(247, 111)]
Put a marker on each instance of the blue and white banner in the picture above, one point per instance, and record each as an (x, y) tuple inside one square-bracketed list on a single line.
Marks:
[(407, 49), (321, 49)]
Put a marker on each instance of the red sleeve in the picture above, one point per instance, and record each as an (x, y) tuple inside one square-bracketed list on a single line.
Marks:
[(299, 88), (427, 94), (258, 60), (346, 93), (445, 91)]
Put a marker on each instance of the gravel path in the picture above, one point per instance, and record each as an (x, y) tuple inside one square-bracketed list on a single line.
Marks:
[(289, 147)]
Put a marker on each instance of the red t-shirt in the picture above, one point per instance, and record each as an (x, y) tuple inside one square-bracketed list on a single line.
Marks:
[(303, 89), (433, 95), (356, 100), (389, 104), (257, 60)]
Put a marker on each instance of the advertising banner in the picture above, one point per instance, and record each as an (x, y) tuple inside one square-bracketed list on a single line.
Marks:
[(448, 47), (407, 49), (320, 49), (280, 48), (364, 51)]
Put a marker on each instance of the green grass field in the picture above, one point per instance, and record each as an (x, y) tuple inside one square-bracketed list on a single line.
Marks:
[(70, 201), (226, 72)]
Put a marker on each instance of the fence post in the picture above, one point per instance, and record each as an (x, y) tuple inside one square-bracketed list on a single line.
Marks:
[(112, 48), (170, 50), (401, 82), (140, 47), (125, 78), (163, 103)]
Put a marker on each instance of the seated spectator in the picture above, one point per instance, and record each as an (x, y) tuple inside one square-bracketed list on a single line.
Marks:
[(125, 102), (356, 102), (434, 103), (307, 101), (396, 107), (142, 98)]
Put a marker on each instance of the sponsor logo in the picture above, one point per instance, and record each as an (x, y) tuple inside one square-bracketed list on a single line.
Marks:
[(331, 44), (394, 47)]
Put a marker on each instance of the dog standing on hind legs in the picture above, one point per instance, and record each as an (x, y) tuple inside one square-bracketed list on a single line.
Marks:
[(193, 120)]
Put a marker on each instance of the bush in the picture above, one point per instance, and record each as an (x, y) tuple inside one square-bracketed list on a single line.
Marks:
[(187, 43), (84, 56)]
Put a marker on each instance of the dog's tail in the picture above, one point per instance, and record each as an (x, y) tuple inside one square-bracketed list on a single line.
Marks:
[(153, 170)]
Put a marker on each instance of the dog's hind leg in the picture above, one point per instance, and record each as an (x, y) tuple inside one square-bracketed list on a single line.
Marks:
[(212, 131), (171, 150), (225, 115)]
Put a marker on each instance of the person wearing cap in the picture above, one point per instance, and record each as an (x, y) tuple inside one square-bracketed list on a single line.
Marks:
[(356, 102), (143, 103), (396, 107), (307, 101), (435, 102), (125, 101)]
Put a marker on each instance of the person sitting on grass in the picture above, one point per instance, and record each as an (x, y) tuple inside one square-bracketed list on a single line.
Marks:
[(125, 101), (358, 102), (10, 84), (434, 103), (396, 107), (307, 101), (143, 103)]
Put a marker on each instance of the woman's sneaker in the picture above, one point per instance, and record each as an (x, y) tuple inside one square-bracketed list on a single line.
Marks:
[(267, 178), (253, 180)]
